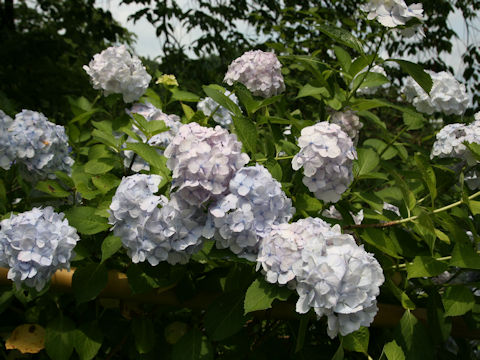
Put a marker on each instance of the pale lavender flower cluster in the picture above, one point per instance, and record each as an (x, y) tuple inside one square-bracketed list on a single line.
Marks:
[(39, 144), (115, 71), (203, 161), (392, 13), (349, 122), (7, 156), (447, 95), (451, 138), (259, 71), (152, 227), (326, 155), (330, 272), (151, 113), (221, 115), (246, 215), (35, 244)]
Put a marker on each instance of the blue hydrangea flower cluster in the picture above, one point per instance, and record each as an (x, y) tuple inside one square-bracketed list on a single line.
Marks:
[(151, 227), (39, 144), (35, 244), (330, 272), (203, 161), (326, 155), (220, 115), (254, 204), (7, 156), (259, 71), (161, 140)]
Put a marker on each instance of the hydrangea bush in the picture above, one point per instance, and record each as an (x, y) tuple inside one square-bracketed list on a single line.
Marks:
[(326, 217)]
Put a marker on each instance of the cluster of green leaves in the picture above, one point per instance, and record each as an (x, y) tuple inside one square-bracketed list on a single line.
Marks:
[(217, 305)]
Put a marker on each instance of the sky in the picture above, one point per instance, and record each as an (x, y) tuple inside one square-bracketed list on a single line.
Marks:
[(148, 44)]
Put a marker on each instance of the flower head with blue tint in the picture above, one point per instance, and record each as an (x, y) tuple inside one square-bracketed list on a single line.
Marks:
[(7, 153)]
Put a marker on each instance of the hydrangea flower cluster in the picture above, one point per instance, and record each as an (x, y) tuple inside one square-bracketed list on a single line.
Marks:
[(221, 115), (35, 244), (447, 95), (392, 13), (7, 157), (254, 204), (203, 161), (115, 71), (259, 71), (326, 155), (152, 227), (450, 139), (349, 122), (39, 144), (330, 272), (151, 113)]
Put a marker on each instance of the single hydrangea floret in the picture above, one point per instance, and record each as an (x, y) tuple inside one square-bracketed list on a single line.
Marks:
[(7, 155), (203, 161), (160, 140), (349, 122), (115, 71), (259, 71), (447, 95), (220, 115), (326, 155), (246, 215), (392, 13), (35, 244), (39, 144)]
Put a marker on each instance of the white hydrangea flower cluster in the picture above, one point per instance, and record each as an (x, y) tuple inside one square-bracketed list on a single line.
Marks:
[(115, 71), (203, 161), (35, 244), (39, 144), (450, 139), (333, 213), (447, 95), (7, 156), (349, 122), (151, 113), (372, 90), (246, 215), (326, 155), (221, 115), (259, 71), (152, 227), (392, 13), (330, 272)]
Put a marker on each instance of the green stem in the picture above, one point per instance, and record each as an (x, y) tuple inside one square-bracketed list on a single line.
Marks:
[(393, 141), (403, 266), (276, 158)]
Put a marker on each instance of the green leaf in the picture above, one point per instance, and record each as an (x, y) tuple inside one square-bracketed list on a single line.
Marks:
[(400, 295), (474, 148), (417, 73), (220, 98), (225, 316), (342, 36), (5, 298), (99, 166), (428, 175), (381, 241), (59, 338), (245, 97), (339, 354), (188, 111), (247, 132), (309, 90), (414, 121), (110, 246), (457, 300), (343, 58), (308, 203), (144, 334), (148, 153), (474, 207), (105, 182), (413, 338), (141, 281), (368, 160), (464, 255), (83, 218), (408, 196), (393, 352), (369, 80), (192, 346), (261, 294), (357, 341), (181, 95), (87, 340), (425, 266), (89, 281), (52, 188)]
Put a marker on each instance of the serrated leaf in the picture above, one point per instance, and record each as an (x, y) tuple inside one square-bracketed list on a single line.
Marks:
[(474, 206), (457, 300), (59, 338), (464, 255), (87, 340), (367, 161), (357, 341), (393, 352), (148, 153), (110, 246), (413, 338), (417, 73), (98, 166), (83, 218), (225, 316), (105, 182), (343, 58), (425, 266), (369, 80), (309, 90), (89, 281), (379, 239), (261, 294), (308, 203), (247, 132), (341, 36), (406, 302), (414, 121), (52, 188), (192, 346)]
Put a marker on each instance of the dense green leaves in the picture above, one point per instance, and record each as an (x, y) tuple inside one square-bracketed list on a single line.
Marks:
[(457, 300), (59, 338), (261, 294), (89, 281), (425, 266), (83, 218), (357, 341), (193, 346), (110, 246), (87, 340), (225, 316)]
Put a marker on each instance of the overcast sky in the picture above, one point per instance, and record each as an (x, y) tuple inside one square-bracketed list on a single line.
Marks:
[(149, 45)]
